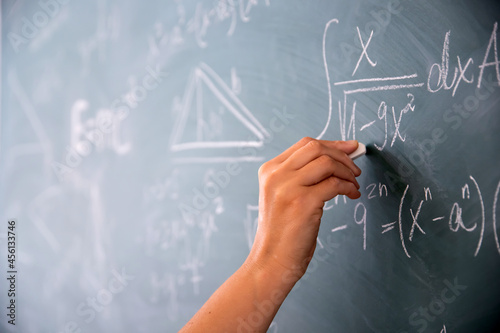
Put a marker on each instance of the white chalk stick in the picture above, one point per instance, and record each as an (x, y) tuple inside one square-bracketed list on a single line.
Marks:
[(358, 152)]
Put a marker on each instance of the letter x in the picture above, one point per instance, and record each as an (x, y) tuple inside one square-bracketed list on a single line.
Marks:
[(364, 53), (397, 124), (462, 71), (415, 217)]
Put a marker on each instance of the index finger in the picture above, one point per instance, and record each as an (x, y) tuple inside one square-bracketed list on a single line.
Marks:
[(345, 146), (337, 150), (292, 149)]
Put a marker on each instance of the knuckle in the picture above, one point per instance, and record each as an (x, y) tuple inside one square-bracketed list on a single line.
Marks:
[(315, 146), (263, 170), (306, 140), (327, 162), (334, 182), (273, 177), (269, 175)]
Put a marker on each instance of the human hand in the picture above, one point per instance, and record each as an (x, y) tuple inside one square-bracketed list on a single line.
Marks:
[(293, 188)]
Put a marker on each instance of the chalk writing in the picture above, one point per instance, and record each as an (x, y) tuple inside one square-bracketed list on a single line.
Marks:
[(495, 204), (102, 131), (439, 74), (382, 188), (347, 109), (204, 17), (453, 217), (362, 220), (439, 78), (364, 52)]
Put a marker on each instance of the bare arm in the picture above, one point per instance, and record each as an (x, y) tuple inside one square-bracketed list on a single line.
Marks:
[(293, 188)]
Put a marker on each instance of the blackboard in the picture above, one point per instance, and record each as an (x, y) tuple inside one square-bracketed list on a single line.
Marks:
[(131, 133)]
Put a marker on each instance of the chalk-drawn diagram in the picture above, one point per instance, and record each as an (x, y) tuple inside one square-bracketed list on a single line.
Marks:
[(211, 116)]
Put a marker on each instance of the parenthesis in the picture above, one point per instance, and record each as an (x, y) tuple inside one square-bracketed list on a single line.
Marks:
[(482, 216), (495, 201), (401, 222)]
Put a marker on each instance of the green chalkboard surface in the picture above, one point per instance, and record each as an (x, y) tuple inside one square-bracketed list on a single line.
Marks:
[(131, 133)]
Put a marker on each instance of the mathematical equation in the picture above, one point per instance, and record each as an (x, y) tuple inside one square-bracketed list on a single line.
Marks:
[(453, 216), (188, 234), (204, 17), (441, 77)]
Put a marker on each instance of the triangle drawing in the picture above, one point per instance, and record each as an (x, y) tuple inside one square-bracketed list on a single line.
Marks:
[(212, 116)]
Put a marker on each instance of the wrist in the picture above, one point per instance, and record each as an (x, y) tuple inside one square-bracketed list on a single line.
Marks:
[(267, 271)]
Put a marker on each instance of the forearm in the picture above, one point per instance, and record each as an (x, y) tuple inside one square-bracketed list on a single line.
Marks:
[(247, 301)]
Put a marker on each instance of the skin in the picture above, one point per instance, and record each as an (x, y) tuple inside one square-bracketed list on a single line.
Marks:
[(293, 188)]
